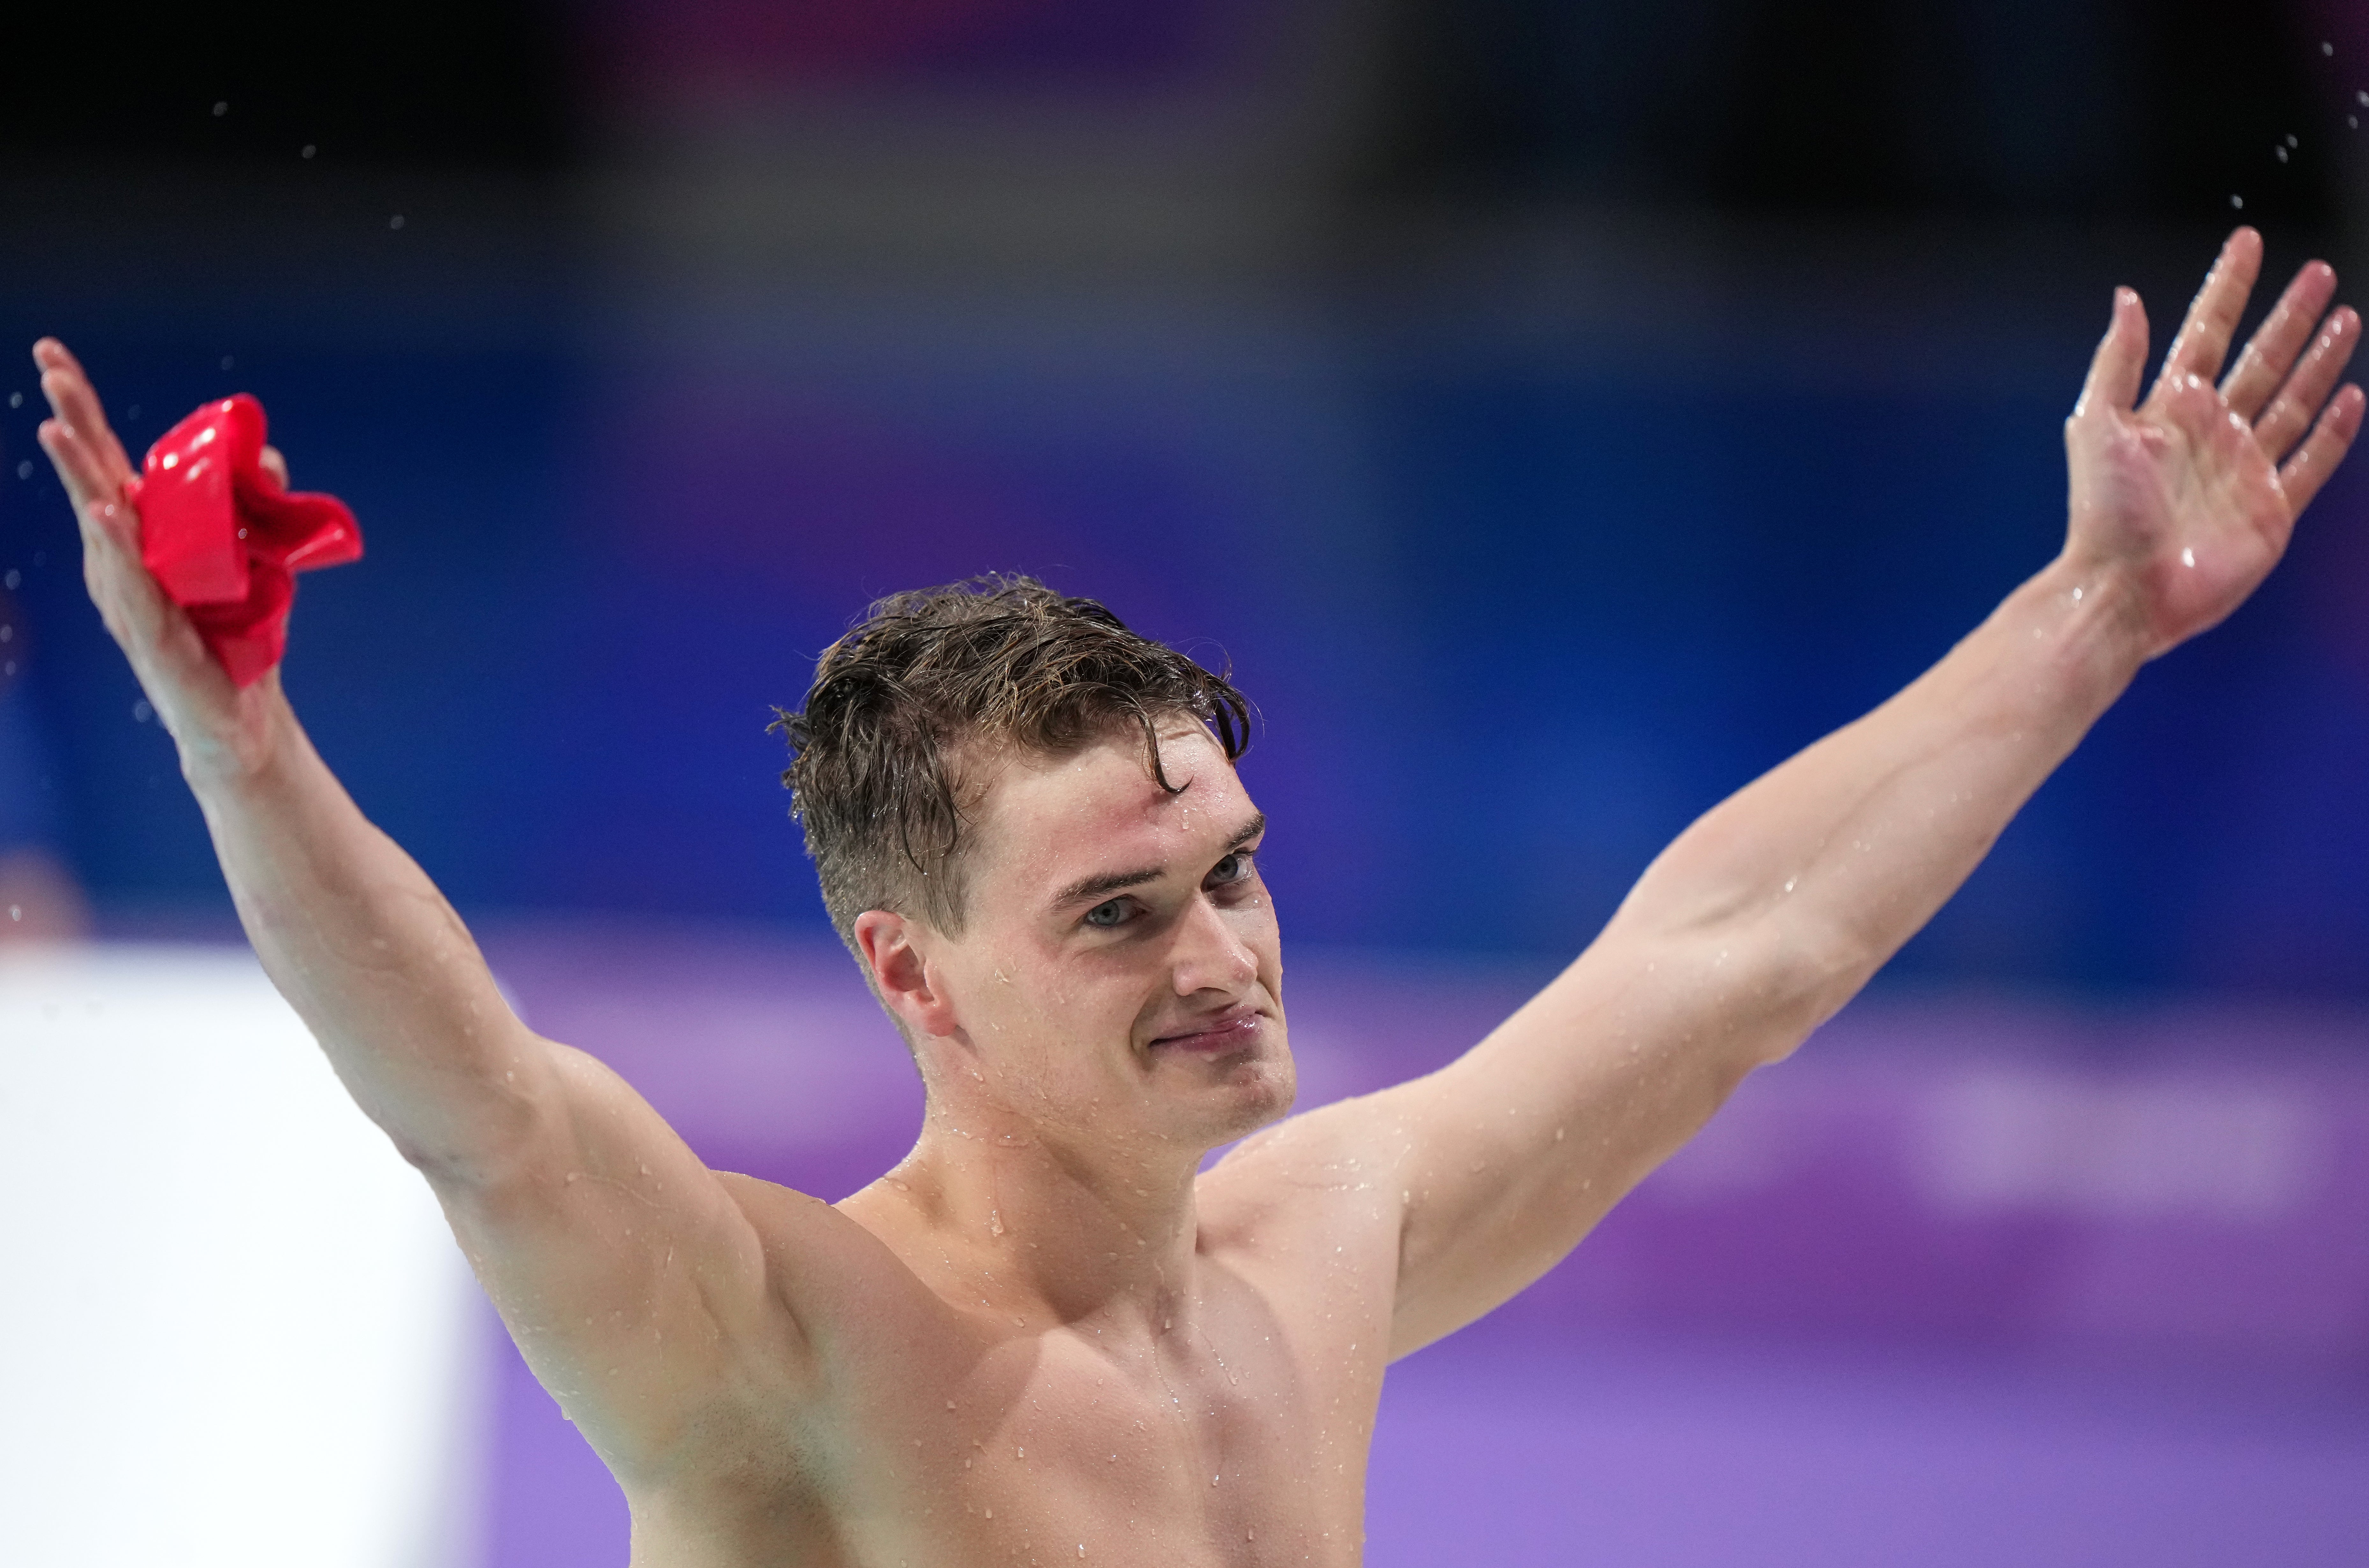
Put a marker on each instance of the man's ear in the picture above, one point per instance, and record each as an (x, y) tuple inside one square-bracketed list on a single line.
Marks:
[(895, 951)]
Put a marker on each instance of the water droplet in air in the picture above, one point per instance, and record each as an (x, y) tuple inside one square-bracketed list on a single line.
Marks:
[(221, 109), (229, 360), (141, 712), (15, 911), (2326, 47), (2282, 152), (2237, 202), (309, 150), (395, 222), (16, 400), (25, 469), (2290, 140)]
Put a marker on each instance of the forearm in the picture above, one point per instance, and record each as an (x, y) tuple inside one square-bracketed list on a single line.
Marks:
[(1820, 870), (368, 952)]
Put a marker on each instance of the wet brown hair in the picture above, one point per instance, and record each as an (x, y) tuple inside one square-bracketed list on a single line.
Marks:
[(924, 679)]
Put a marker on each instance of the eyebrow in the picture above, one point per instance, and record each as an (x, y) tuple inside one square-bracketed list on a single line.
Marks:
[(1094, 889)]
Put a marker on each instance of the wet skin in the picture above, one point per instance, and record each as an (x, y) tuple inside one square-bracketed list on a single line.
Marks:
[(1043, 1332)]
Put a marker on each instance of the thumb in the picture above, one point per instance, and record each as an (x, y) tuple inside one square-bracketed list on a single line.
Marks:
[(2119, 364)]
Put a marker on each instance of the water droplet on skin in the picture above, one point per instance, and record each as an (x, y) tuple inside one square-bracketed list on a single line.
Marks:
[(1558, 1135), (2187, 557)]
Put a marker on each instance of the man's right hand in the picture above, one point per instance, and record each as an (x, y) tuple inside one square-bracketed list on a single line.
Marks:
[(221, 729)]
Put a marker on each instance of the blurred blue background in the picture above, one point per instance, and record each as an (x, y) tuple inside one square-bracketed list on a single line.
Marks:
[(1555, 414)]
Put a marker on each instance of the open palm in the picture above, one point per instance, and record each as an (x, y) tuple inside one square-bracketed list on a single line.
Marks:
[(2187, 499)]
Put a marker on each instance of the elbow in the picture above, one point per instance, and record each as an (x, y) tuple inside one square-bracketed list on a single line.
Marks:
[(1808, 970)]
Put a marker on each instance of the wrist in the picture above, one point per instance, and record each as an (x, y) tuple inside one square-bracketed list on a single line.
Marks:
[(244, 747), (2097, 609)]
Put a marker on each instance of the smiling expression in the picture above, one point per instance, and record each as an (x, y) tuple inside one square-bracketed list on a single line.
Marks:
[(1119, 970)]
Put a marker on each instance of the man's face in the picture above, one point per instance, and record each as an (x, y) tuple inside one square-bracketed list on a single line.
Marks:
[(1118, 977)]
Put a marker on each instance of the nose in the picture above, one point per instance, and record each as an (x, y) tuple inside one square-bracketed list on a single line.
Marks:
[(1209, 954)]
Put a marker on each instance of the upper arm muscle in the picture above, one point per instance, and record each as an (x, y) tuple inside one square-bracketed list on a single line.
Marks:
[(633, 1281), (1515, 1149)]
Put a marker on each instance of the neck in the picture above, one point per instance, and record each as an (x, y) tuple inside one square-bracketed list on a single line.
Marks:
[(1046, 1226)]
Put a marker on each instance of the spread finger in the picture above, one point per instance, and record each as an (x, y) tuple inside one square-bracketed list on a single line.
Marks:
[(2298, 403), (2203, 339), (2270, 355)]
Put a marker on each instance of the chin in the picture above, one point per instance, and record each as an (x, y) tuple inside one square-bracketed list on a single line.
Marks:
[(1261, 1094)]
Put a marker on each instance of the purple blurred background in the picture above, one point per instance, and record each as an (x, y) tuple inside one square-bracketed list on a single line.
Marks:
[(1556, 414)]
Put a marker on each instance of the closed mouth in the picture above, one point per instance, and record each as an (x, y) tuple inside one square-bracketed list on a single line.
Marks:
[(1235, 1029)]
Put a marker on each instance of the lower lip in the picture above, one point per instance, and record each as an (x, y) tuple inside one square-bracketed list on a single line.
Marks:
[(1214, 1042)]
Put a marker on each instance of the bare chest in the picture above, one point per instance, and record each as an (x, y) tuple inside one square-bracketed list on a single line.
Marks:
[(1187, 1450), (1238, 1440)]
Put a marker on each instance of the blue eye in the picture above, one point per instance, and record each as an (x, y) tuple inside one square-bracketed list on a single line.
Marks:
[(1107, 915), (1235, 867)]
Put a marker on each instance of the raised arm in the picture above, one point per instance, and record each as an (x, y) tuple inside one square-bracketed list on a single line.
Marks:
[(622, 1265), (1771, 912)]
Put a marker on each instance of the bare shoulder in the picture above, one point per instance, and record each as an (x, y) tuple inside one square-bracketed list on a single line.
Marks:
[(826, 1264), (1330, 1174)]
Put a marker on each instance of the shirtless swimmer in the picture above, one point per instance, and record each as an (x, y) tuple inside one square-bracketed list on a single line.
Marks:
[(1043, 1338)]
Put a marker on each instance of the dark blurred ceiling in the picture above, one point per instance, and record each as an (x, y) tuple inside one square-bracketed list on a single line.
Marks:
[(2129, 109), (424, 84)]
